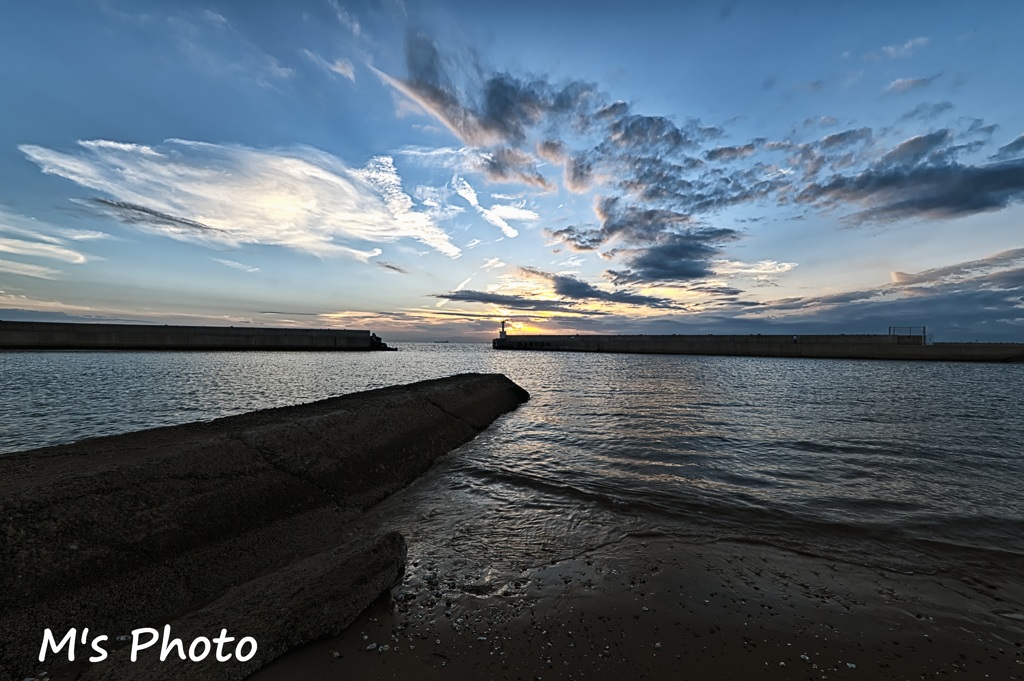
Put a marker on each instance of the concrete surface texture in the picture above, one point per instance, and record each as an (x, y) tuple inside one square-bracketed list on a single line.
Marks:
[(838, 346), (122, 532), (67, 336)]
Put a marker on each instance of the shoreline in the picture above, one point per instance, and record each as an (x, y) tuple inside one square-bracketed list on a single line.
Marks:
[(662, 607), (141, 529)]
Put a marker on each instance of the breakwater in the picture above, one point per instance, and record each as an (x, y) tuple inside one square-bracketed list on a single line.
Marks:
[(838, 346), (243, 515), (68, 336)]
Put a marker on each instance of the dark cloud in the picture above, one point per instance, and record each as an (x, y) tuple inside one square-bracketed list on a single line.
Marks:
[(578, 238), (506, 164), (655, 134), (134, 214), (947, 189), (717, 290), (391, 266), (660, 182), (673, 256), (978, 127), (821, 121), (915, 149), (512, 301), (506, 106), (729, 153), (841, 139), (926, 111), (571, 287), (1014, 149), (988, 306)]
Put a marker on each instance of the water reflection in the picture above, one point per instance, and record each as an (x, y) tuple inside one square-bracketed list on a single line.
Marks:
[(932, 448)]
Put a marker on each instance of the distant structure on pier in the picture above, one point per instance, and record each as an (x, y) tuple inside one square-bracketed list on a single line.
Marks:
[(913, 346)]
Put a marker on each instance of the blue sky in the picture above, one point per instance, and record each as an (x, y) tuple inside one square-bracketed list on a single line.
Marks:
[(428, 169)]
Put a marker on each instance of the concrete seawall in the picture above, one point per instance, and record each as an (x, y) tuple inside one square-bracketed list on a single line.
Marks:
[(61, 336), (127, 531), (854, 346)]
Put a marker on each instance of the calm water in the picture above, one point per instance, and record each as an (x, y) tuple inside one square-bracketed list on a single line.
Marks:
[(828, 456)]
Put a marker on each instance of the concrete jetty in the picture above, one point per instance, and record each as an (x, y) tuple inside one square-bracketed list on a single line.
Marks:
[(66, 336), (833, 346), (235, 523)]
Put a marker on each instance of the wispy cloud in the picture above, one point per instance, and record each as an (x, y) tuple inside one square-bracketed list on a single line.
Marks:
[(237, 265), (463, 189), (40, 250), (577, 289), (299, 198), (346, 19), (962, 270), (27, 270), (37, 239), (340, 67), (209, 41), (901, 85), (514, 302), (927, 111), (900, 51), (391, 266)]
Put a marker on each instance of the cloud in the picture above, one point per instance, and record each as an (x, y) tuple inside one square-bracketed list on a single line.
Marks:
[(758, 270), (901, 85), (391, 266), (674, 256), (233, 57), (40, 250), (729, 153), (492, 263), (214, 194), (38, 239), (463, 189), (1014, 149), (505, 108), (915, 149), (651, 171), (660, 185), (846, 137), (340, 67), (926, 111), (513, 302), (947, 190), (346, 19), (571, 287), (26, 270), (237, 265), (961, 270), (962, 301), (899, 51), (821, 121)]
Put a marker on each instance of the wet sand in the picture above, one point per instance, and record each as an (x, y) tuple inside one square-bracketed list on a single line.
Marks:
[(660, 607)]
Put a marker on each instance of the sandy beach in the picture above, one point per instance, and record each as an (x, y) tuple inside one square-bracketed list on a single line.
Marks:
[(658, 608)]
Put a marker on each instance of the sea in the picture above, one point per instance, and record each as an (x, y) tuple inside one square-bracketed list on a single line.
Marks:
[(885, 463)]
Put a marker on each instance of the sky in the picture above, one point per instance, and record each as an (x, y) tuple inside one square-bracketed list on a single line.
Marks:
[(428, 169)]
